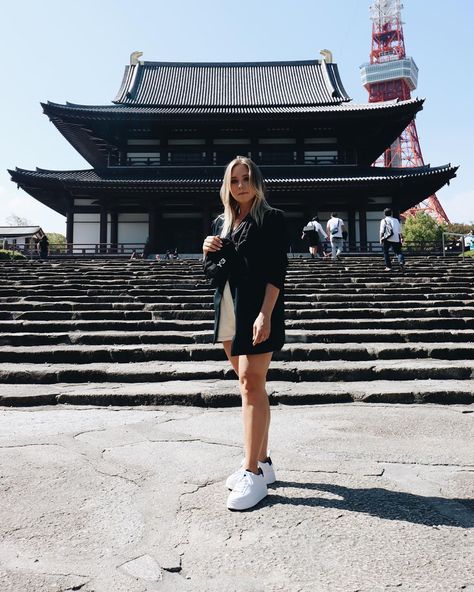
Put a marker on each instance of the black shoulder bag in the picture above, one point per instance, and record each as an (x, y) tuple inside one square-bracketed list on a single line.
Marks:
[(219, 264)]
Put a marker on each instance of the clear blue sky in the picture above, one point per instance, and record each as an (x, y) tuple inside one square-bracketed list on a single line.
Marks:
[(76, 51)]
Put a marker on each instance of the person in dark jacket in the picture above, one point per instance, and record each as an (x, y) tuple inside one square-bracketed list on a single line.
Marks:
[(249, 314), (43, 247)]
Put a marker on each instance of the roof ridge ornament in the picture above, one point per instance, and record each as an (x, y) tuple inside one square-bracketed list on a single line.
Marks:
[(327, 55), (134, 58)]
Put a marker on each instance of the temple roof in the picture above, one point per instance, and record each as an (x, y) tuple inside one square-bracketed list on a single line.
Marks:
[(92, 129), (212, 176), (14, 231), (244, 84), (109, 111), (56, 188)]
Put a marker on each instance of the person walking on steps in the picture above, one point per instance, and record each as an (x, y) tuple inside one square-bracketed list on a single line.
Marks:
[(314, 235), (335, 228), (391, 238), (249, 312)]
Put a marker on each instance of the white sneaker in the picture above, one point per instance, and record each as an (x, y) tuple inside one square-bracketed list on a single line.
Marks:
[(248, 491), (267, 469)]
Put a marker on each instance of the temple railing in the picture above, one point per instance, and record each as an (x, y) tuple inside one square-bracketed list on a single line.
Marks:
[(87, 249), (296, 249)]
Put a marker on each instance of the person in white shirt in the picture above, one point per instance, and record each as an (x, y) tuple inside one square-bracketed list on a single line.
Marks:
[(469, 241), (314, 235), (391, 238), (335, 228)]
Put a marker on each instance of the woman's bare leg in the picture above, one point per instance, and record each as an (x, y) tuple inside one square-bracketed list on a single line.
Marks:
[(255, 407), (234, 360)]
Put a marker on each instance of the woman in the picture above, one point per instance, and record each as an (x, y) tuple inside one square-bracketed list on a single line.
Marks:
[(313, 233), (249, 314)]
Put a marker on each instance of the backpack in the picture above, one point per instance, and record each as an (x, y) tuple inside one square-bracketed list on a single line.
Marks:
[(387, 230)]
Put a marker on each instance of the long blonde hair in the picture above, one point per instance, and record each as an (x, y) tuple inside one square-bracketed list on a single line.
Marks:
[(231, 206)]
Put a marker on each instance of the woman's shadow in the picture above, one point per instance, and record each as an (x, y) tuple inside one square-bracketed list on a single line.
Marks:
[(383, 503)]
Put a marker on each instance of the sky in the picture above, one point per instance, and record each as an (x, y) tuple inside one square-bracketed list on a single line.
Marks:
[(76, 51)]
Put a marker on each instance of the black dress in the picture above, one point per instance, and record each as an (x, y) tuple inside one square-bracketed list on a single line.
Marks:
[(262, 251)]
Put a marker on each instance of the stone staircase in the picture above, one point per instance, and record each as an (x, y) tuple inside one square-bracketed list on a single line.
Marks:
[(114, 332)]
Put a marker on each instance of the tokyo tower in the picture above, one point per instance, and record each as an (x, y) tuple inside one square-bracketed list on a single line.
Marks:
[(392, 75)]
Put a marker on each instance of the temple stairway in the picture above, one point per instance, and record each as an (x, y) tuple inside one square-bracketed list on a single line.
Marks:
[(140, 332)]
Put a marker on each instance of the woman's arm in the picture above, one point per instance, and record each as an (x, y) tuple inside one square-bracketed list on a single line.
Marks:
[(212, 242), (275, 263), (262, 324)]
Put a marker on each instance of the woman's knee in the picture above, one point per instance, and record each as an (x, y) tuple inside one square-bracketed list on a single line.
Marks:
[(251, 383)]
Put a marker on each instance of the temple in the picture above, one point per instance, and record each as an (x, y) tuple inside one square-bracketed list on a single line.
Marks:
[(158, 153)]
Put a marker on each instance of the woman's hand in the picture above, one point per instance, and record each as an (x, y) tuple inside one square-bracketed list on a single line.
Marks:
[(261, 328), (211, 244)]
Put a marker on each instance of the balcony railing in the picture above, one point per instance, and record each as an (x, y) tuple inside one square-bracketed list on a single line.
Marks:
[(297, 248)]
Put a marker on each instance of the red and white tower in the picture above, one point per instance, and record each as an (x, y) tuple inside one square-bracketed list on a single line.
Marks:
[(392, 75)]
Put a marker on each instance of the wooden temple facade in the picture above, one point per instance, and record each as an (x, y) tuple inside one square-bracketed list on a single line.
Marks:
[(158, 153)]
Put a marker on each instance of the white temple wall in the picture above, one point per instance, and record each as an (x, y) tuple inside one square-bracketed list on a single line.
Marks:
[(133, 228), (86, 228), (373, 225)]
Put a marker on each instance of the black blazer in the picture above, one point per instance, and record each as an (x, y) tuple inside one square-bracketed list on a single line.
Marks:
[(263, 253)]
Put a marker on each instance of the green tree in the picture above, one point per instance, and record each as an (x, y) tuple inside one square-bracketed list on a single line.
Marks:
[(57, 242), (459, 228), (421, 231)]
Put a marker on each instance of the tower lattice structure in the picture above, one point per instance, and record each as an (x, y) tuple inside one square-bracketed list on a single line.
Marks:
[(390, 75)]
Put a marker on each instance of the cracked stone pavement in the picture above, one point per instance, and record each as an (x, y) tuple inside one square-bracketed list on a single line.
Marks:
[(369, 498)]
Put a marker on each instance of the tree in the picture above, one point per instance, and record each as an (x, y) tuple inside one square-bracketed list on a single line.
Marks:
[(422, 230), (459, 228), (14, 220), (57, 242)]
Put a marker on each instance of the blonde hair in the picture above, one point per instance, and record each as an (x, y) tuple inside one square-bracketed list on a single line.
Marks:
[(231, 206)]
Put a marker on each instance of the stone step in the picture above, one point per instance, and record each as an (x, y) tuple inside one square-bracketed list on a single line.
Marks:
[(154, 371), (306, 304), (224, 393), (25, 306), (305, 325), (30, 310), (201, 314), (297, 276), (292, 300), (354, 296), (85, 354), (108, 337)]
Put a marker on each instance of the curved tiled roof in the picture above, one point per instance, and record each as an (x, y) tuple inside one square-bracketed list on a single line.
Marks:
[(213, 176), (98, 111), (247, 84)]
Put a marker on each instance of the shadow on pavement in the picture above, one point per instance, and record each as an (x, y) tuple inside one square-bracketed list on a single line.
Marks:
[(383, 503)]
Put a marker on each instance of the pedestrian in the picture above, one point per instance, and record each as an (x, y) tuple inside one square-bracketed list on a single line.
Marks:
[(249, 312), (469, 241), (391, 238), (43, 247), (314, 235), (335, 227)]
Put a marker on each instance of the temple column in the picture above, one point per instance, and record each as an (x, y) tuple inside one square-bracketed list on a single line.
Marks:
[(113, 231), (351, 229), (153, 228), (363, 229), (70, 227), (103, 229)]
